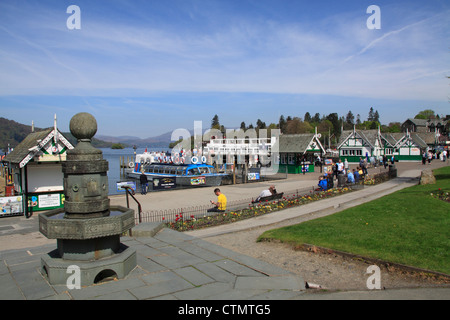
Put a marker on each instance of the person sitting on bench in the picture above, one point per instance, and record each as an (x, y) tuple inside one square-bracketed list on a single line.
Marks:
[(350, 177), (266, 193), (323, 182), (221, 204)]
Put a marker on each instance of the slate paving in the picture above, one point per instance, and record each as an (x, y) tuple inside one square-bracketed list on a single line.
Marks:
[(171, 265)]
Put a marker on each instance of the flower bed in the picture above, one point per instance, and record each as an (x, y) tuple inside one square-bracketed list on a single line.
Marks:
[(441, 195), (191, 222), (183, 223)]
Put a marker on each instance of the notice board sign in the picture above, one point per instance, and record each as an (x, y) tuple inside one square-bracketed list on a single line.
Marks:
[(11, 205), (46, 201), (121, 184)]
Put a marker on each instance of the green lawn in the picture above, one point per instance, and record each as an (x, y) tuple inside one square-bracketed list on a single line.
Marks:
[(410, 227)]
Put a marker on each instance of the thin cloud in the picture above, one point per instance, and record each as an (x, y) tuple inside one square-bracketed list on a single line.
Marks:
[(386, 35), (44, 50)]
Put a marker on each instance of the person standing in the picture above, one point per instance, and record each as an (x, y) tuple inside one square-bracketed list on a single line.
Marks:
[(144, 183), (340, 167), (356, 175), (385, 161)]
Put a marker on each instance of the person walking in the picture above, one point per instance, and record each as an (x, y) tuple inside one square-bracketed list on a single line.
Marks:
[(385, 161), (424, 158)]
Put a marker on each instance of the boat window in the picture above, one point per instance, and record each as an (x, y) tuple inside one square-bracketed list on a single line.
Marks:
[(204, 170), (192, 171)]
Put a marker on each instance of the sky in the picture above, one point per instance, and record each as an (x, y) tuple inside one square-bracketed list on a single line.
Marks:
[(145, 67)]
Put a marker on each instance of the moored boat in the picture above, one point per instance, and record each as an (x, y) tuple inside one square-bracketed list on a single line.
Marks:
[(198, 174)]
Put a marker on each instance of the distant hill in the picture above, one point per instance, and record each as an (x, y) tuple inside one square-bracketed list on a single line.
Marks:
[(161, 141), (13, 133)]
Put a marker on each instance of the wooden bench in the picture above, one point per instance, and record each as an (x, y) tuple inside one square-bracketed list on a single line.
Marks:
[(276, 196)]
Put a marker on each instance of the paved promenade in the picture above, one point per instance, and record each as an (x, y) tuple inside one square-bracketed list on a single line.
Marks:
[(174, 265), (184, 198)]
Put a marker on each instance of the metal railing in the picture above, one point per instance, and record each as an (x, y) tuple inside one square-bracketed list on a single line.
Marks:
[(130, 191), (187, 213), (176, 214)]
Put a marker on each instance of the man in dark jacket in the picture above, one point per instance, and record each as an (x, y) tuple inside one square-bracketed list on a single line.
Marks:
[(144, 183)]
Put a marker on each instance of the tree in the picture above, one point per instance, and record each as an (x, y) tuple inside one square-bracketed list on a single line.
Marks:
[(243, 125), (269, 129), (316, 118), (260, 124), (282, 124), (425, 114), (376, 116), (325, 127), (296, 125), (392, 127), (371, 115), (350, 119), (307, 117), (215, 122), (334, 119)]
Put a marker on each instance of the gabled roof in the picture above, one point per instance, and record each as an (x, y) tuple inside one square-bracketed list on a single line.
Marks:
[(429, 138), (369, 136), (418, 122), (427, 122), (421, 139), (32, 145), (393, 138), (298, 143)]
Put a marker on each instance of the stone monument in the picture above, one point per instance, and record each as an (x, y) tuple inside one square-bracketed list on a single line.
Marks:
[(87, 230), (427, 177)]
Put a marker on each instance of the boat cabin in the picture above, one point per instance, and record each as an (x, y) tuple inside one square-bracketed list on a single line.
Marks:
[(179, 170)]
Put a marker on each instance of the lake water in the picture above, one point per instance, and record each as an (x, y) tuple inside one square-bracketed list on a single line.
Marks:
[(113, 158)]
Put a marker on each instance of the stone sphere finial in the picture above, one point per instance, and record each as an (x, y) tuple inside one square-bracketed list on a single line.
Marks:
[(83, 126)]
